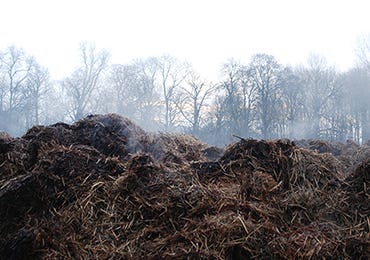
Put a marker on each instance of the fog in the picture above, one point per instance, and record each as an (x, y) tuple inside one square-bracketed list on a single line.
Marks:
[(214, 69), (259, 99)]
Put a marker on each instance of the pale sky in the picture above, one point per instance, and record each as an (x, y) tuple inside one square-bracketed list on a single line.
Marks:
[(205, 33)]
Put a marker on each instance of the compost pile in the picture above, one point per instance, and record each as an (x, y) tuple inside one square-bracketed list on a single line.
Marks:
[(103, 188)]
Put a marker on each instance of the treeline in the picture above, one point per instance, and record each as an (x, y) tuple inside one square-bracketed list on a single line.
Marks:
[(260, 99)]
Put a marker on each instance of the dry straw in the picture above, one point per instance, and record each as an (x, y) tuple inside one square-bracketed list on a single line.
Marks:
[(103, 188)]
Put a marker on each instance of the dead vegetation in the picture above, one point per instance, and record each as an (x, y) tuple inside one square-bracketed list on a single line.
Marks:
[(103, 188)]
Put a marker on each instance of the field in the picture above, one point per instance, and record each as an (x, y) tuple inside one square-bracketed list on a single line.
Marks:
[(103, 188)]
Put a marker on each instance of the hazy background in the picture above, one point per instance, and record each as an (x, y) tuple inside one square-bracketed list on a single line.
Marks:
[(214, 69)]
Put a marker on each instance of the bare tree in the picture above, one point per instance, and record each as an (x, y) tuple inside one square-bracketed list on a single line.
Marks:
[(124, 83), (249, 101), (357, 90), (15, 70), (363, 51), (363, 55), (36, 86), (193, 100), (85, 79), (265, 74), (216, 130), (172, 74), (231, 104), (135, 92), (148, 92), (293, 99), (321, 85)]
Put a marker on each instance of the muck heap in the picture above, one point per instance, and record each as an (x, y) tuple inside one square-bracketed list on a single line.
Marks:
[(103, 188)]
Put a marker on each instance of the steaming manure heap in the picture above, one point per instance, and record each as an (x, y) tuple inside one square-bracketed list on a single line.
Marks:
[(103, 188)]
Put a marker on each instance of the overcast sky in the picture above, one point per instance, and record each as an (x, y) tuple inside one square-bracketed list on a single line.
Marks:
[(203, 32)]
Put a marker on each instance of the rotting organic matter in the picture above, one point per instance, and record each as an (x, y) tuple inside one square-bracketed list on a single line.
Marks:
[(104, 188)]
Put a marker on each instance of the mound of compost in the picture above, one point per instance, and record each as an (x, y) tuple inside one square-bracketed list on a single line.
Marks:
[(350, 154), (103, 188)]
